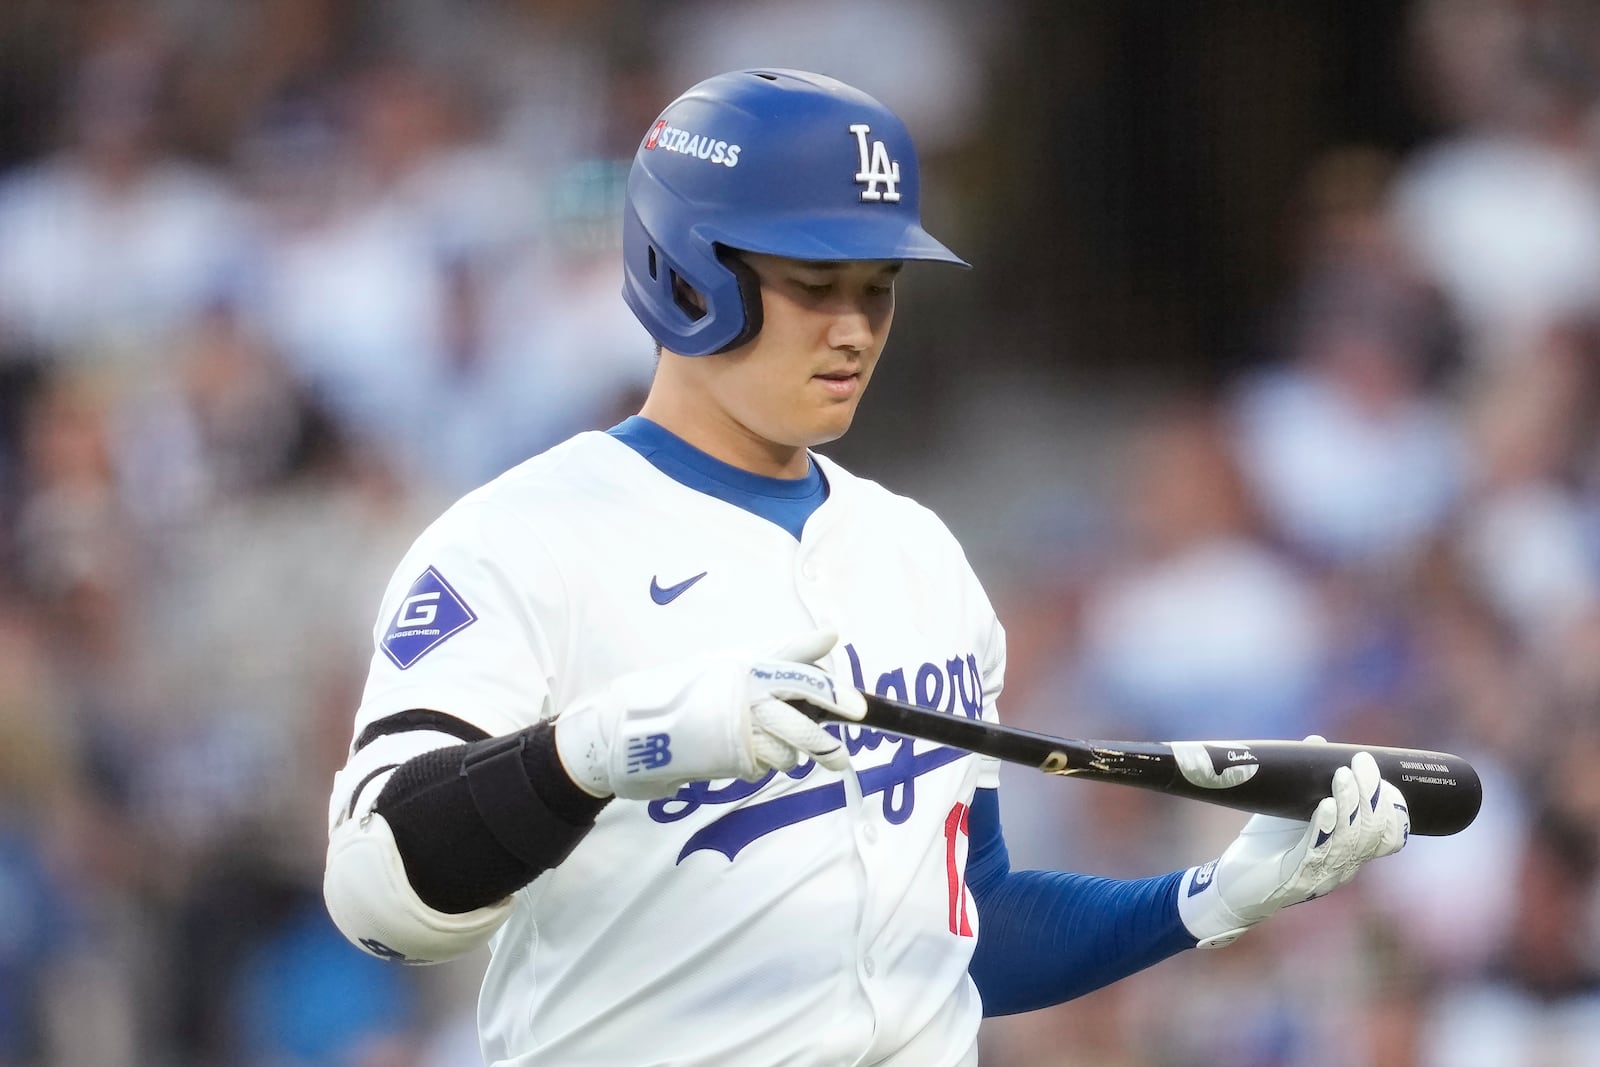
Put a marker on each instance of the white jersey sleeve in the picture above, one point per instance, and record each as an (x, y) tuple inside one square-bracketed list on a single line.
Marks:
[(460, 629), (459, 632)]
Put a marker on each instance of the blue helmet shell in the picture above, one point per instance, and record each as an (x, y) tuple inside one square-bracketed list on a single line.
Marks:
[(777, 161)]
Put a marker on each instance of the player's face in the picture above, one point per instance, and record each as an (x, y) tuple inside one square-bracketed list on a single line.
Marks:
[(798, 383)]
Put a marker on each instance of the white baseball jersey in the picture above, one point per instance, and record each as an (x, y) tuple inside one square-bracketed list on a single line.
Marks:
[(811, 918)]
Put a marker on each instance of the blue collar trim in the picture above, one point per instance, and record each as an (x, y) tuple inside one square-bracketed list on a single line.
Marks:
[(788, 502)]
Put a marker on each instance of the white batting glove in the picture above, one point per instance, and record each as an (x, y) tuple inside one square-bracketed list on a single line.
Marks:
[(1276, 862), (716, 716)]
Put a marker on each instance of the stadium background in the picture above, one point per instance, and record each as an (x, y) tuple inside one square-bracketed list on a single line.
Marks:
[(1268, 408)]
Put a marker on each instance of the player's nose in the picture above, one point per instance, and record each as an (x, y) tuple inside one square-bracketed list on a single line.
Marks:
[(851, 330)]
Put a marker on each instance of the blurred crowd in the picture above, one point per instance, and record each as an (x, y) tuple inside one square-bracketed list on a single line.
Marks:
[(1384, 527), (280, 279)]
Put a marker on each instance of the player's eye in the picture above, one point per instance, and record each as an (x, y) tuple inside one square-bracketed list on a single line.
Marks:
[(814, 288)]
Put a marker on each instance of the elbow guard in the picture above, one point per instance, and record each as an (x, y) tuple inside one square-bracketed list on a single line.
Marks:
[(372, 903)]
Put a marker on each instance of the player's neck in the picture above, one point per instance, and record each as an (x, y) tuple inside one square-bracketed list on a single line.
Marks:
[(722, 437)]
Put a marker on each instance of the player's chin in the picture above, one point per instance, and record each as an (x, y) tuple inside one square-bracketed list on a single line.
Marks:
[(832, 422)]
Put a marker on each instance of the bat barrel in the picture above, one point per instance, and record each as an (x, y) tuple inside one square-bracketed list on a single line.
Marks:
[(1442, 790)]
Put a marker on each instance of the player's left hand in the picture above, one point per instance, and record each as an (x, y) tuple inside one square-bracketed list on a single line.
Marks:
[(720, 715), (1276, 862)]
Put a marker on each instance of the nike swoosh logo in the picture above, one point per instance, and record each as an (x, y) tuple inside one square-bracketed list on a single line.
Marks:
[(672, 592)]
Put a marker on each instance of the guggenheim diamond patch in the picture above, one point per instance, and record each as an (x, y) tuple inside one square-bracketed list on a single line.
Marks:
[(431, 612)]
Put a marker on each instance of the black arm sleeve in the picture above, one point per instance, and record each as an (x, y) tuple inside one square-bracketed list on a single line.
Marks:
[(476, 822)]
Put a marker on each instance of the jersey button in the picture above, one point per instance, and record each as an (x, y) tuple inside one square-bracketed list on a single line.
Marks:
[(808, 570), (869, 834), (868, 967)]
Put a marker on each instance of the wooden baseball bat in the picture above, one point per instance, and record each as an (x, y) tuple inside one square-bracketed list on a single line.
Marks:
[(1287, 778)]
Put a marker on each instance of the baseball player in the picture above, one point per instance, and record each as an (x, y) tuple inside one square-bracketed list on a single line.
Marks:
[(575, 742)]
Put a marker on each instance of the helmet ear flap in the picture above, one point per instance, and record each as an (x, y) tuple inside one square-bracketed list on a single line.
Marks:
[(689, 300), (749, 297)]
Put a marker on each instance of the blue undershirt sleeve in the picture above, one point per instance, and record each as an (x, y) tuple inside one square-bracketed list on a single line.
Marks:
[(1048, 936)]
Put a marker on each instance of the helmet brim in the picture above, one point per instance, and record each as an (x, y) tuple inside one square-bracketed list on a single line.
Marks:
[(825, 238)]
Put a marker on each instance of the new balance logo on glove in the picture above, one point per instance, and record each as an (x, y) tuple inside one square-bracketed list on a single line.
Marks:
[(649, 752)]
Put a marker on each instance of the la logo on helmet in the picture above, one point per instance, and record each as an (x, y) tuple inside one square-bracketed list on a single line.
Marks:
[(876, 166)]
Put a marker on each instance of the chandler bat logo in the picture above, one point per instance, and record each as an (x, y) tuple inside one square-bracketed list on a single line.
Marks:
[(1214, 766)]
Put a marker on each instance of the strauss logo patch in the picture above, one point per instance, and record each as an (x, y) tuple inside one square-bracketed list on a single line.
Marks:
[(668, 138)]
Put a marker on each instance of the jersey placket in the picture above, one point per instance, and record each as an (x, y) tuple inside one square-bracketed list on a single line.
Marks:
[(866, 836), (864, 839)]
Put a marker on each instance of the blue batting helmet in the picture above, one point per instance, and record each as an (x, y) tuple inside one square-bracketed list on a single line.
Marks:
[(775, 161)]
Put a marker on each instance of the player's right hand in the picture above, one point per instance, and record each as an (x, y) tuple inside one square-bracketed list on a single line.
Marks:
[(1276, 862), (722, 715)]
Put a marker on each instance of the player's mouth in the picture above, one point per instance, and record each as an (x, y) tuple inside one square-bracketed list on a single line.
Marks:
[(841, 384)]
